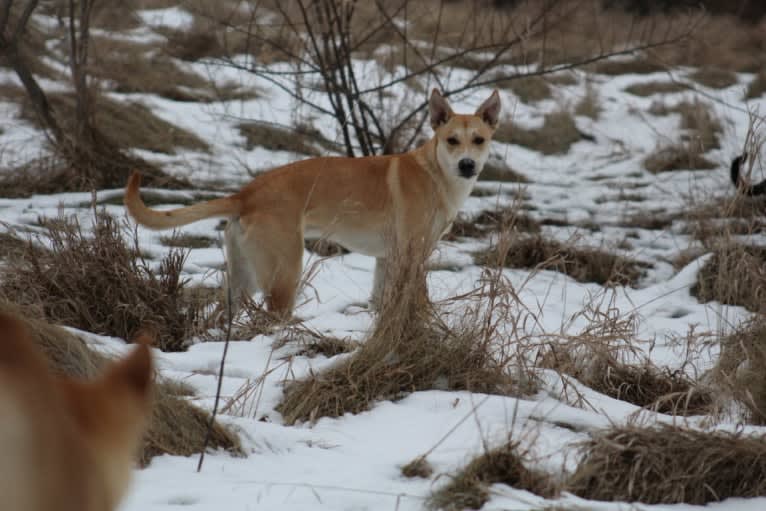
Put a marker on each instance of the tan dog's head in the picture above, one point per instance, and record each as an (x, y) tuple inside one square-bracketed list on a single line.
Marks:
[(68, 444), (462, 140), (111, 413)]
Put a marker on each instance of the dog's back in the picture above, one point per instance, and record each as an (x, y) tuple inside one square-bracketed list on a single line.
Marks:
[(53, 454)]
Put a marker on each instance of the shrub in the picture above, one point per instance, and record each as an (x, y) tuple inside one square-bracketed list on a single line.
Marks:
[(97, 282)]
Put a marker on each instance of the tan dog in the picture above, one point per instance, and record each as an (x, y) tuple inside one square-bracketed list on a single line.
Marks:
[(66, 445), (356, 202)]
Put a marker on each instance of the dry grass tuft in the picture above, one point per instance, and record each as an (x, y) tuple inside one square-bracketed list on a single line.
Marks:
[(679, 156), (703, 128), (530, 89), (496, 169), (714, 77), (324, 247), (582, 264), (470, 487), (557, 134), (177, 427), (669, 465), (651, 88), (502, 219), (589, 104), (181, 240), (757, 87), (91, 279), (659, 389), (624, 67), (11, 245), (739, 370), (734, 275), (130, 67), (410, 348), (419, 467), (605, 356), (277, 138), (126, 125), (326, 346)]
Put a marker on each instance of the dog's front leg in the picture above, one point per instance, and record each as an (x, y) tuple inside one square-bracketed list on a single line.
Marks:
[(378, 282)]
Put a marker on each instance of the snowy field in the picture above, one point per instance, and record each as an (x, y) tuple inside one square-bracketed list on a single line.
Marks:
[(353, 462)]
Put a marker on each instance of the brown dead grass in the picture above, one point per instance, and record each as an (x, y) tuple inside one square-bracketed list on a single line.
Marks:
[(132, 67), (496, 169), (642, 384), (126, 125), (582, 264), (470, 487), (678, 156), (605, 356), (529, 89), (739, 370), (301, 140), (410, 348), (556, 135), (589, 104), (181, 240), (487, 222), (90, 279), (734, 275), (419, 467), (757, 87), (713, 77), (669, 465), (177, 427), (652, 88), (324, 247), (704, 129), (640, 65)]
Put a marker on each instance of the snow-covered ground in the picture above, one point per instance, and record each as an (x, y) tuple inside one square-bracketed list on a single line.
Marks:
[(353, 462)]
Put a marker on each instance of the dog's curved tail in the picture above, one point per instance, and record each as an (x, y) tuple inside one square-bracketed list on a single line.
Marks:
[(153, 219), (740, 183)]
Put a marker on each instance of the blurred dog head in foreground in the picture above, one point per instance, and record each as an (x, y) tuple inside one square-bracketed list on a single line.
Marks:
[(67, 444)]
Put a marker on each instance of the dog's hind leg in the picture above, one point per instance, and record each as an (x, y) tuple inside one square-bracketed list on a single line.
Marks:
[(275, 249), (240, 278)]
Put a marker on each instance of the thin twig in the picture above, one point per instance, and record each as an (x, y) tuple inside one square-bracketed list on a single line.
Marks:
[(209, 432)]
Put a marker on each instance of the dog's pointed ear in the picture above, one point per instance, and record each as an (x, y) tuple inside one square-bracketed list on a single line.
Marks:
[(439, 109), (489, 111), (135, 371)]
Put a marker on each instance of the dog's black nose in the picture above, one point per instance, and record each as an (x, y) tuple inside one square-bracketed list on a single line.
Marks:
[(467, 167)]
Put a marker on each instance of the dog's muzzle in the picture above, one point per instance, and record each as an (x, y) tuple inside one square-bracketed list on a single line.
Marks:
[(467, 168)]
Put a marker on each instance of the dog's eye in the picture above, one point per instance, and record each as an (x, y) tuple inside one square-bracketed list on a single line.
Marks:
[(478, 140), (453, 141)]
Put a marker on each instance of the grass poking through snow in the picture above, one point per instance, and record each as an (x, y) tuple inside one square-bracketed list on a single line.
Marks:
[(410, 348), (670, 465), (469, 488)]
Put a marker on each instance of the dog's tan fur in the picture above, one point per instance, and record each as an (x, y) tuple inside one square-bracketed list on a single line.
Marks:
[(65, 444), (355, 202)]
